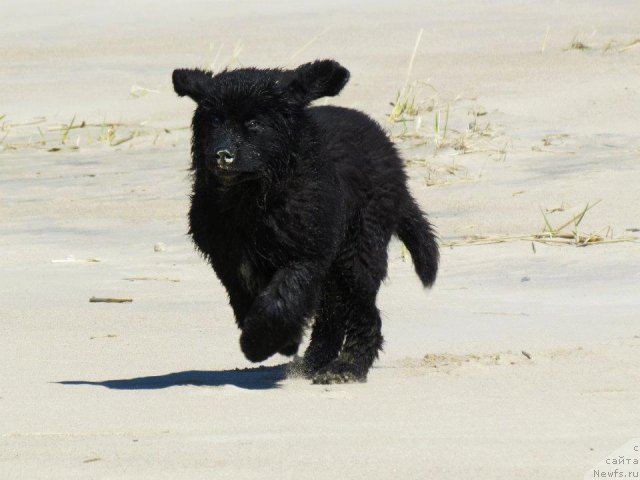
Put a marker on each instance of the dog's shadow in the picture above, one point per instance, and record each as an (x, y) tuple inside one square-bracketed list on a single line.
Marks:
[(259, 378)]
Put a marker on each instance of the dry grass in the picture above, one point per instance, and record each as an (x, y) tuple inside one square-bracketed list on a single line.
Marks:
[(562, 239), (560, 143), (441, 174), (456, 125), (312, 40), (567, 233), (629, 45), (429, 124), (138, 91), (543, 47), (578, 45), (620, 47), (609, 46), (423, 117), (37, 134), (232, 61)]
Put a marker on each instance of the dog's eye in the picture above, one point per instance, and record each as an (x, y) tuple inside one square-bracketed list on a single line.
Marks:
[(252, 125)]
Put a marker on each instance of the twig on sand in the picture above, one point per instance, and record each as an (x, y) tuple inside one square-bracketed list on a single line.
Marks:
[(72, 259), (160, 279), (110, 300)]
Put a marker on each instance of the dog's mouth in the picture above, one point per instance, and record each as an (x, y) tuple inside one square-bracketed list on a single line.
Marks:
[(230, 176)]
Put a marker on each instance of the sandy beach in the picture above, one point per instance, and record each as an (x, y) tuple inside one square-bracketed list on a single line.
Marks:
[(519, 126)]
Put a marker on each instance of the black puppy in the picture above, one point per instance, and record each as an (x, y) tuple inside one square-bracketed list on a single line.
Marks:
[(294, 207)]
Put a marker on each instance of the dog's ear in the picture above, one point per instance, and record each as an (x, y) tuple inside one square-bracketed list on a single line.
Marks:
[(191, 82), (322, 78)]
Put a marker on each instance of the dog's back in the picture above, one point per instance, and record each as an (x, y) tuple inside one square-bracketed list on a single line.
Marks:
[(353, 140), (374, 183)]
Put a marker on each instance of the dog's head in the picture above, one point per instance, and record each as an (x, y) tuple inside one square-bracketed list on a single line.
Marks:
[(246, 119)]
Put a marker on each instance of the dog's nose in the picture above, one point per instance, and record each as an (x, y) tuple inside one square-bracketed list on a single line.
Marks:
[(225, 157)]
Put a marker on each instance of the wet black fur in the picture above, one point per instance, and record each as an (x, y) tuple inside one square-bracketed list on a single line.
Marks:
[(297, 226)]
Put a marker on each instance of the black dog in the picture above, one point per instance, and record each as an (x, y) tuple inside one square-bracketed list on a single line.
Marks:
[(294, 207)]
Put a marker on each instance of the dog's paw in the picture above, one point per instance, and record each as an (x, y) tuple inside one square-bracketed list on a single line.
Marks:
[(289, 349), (257, 342), (261, 339), (311, 364), (339, 372)]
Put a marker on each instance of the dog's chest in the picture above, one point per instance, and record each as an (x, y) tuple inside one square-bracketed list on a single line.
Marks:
[(242, 249)]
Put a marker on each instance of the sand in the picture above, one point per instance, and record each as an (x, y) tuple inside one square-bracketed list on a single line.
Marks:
[(522, 362)]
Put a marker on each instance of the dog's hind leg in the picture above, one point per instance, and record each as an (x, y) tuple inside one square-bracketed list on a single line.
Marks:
[(357, 305), (363, 341), (328, 331)]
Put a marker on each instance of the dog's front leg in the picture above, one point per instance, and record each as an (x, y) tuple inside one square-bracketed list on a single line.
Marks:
[(275, 321)]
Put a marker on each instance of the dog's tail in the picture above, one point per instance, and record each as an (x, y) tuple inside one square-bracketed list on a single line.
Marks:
[(418, 236)]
